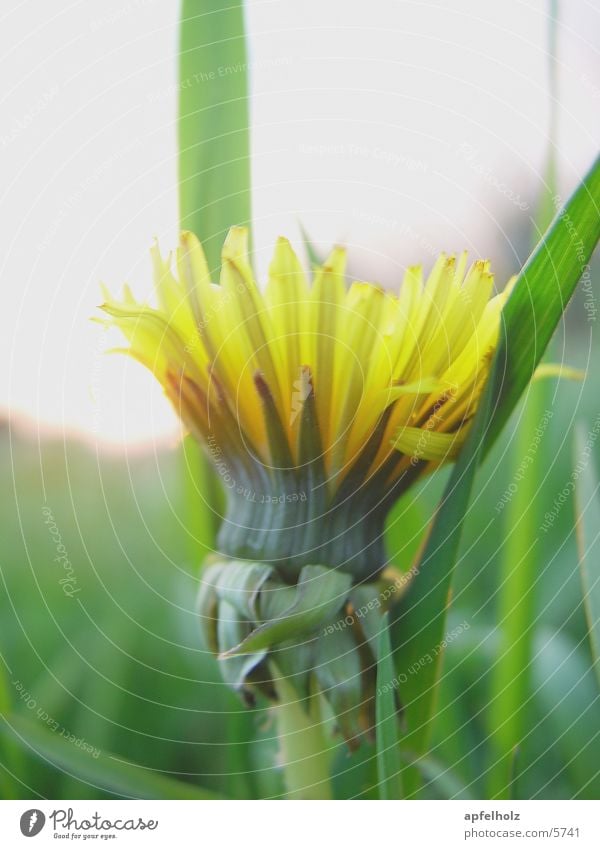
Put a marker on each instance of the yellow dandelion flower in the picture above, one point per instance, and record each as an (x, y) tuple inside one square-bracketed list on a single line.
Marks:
[(317, 402)]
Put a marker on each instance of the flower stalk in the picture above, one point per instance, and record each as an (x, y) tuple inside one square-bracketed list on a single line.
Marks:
[(305, 744)]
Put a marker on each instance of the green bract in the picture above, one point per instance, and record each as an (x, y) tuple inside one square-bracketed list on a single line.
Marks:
[(320, 633)]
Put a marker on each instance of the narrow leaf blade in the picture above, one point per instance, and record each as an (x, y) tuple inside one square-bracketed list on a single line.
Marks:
[(214, 163), (543, 290), (389, 765), (106, 772)]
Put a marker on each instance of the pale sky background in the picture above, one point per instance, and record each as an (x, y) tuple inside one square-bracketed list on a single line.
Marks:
[(397, 128)]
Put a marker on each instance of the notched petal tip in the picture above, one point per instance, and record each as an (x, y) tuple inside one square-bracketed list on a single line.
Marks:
[(336, 261), (235, 245)]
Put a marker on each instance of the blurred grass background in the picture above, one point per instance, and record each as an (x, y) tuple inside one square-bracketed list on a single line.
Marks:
[(119, 663)]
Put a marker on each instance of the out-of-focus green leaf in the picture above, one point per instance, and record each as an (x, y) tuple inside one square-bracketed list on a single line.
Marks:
[(566, 689), (105, 772), (587, 495), (438, 777), (404, 529), (101, 696), (513, 774), (389, 764), (539, 298), (9, 788), (5, 700)]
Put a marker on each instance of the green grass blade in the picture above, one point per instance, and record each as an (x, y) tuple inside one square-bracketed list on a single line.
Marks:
[(540, 296), (587, 501), (507, 714), (106, 772), (544, 288), (214, 163), (389, 765), (513, 774), (437, 777), (418, 629), (203, 499), (311, 252)]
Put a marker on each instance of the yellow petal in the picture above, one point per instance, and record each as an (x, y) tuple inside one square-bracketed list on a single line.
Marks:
[(420, 444)]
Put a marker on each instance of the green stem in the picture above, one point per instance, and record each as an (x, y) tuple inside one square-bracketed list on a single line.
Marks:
[(213, 125), (516, 603), (304, 749)]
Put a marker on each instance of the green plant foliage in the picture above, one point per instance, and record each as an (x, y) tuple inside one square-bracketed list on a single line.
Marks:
[(389, 765), (567, 692), (102, 772), (588, 535), (542, 291), (214, 165)]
